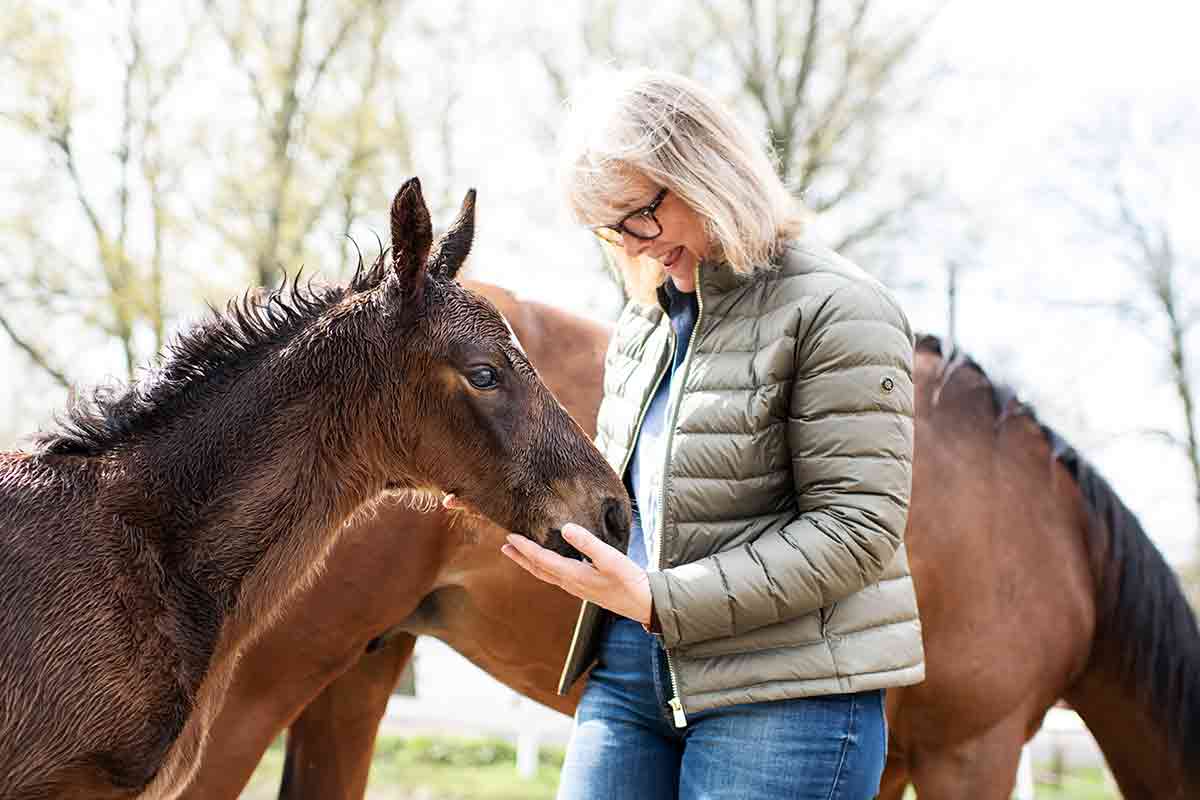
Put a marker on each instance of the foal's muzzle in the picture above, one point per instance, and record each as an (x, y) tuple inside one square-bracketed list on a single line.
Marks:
[(615, 523)]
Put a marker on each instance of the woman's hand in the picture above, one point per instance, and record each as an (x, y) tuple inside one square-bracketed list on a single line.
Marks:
[(612, 580)]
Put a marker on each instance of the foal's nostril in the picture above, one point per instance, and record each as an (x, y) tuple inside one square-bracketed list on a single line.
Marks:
[(616, 521)]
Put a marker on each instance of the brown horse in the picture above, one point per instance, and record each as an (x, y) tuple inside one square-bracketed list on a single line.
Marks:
[(1034, 581), (162, 529)]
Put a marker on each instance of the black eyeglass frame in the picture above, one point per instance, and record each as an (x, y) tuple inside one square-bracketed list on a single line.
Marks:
[(646, 211)]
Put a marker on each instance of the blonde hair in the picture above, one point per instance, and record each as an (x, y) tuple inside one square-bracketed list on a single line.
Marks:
[(627, 128)]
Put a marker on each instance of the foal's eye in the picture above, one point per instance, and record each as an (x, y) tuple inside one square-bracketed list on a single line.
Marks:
[(483, 378)]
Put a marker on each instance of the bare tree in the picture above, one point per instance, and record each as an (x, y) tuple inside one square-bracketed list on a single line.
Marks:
[(322, 129), (826, 81), (115, 286), (312, 127), (829, 81), (609, 33), (605, 33), (1135, 167)]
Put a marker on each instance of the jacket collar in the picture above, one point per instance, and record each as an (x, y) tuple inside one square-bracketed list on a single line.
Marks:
[(716, 278)]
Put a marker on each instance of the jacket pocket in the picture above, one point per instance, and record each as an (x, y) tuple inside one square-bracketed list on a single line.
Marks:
[(798, 632)]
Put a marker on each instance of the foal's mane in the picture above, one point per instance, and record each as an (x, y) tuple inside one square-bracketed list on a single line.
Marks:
[(210, 352), (1143, 619)]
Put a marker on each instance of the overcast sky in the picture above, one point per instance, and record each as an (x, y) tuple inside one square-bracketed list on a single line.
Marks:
[(1022, 73)]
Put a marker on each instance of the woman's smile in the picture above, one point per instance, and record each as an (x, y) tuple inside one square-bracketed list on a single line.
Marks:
[(678, 263)]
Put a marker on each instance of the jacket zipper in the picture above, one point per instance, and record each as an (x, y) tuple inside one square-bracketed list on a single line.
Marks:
[(676, 703), (624, 466), (637, 429)]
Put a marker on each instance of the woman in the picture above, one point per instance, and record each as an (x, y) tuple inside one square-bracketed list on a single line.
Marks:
[(758, 401)]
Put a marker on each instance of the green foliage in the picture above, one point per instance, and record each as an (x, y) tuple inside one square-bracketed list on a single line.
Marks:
[(463, 752), (1080, 784), (436, 768)]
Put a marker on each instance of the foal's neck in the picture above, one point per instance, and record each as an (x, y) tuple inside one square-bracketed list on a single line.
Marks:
[(267, 493), (260, 494)]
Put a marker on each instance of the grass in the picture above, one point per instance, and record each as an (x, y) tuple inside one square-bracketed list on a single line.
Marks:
[(450, 768), (436, 768), (1080, 784)]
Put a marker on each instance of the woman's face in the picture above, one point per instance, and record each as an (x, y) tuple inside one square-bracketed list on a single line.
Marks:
[(682, 244)]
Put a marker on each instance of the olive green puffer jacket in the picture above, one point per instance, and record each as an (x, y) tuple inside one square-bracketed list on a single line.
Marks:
[(782, 571)]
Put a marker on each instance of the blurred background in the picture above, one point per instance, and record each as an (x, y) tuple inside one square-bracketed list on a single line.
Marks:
[(1025, 175)]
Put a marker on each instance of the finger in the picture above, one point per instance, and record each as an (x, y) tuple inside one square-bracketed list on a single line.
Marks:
[(564, 569), (521, 561), (537, 555), (516, 555), (526, 553), (568, 586), (451, 501), (606, 557), (527, 565)]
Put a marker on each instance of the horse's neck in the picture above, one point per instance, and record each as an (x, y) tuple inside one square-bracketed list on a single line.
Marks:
[(230, 515), (267, 531), (1134, 744), (1140, 692)]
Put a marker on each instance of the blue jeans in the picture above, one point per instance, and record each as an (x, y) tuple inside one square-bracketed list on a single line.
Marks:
[(626, 747)]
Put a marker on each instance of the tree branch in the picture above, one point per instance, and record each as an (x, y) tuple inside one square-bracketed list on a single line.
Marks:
[(807, 60), (34, 354), (236, 52), (717, 20), (125, 149), (62, 140), (879, 222), (339, 39)]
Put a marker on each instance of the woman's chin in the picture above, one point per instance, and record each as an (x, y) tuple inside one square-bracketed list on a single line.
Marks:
[(683, 273)]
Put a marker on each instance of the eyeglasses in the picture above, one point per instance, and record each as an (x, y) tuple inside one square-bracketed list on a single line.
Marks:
[(640, 223)]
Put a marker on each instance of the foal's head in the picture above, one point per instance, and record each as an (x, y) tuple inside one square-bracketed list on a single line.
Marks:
[(471, 416)]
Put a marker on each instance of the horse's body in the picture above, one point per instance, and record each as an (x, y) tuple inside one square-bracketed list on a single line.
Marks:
[(1033, 581), (142, 546)]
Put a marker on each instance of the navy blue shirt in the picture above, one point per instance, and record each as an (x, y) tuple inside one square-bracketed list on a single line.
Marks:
[(646, 465)]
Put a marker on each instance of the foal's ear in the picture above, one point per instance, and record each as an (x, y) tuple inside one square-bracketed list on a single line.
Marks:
[(455, 244), (412, 235)]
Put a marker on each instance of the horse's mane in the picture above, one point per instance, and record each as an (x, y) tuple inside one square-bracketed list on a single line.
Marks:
[(1143, 617), (209, 353), (959, 371)]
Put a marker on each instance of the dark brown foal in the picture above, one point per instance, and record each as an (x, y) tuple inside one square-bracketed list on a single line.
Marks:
[(163, 528)]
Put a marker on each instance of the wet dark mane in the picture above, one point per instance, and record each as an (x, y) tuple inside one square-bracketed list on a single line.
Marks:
[(1144, 622), (211, 352)]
